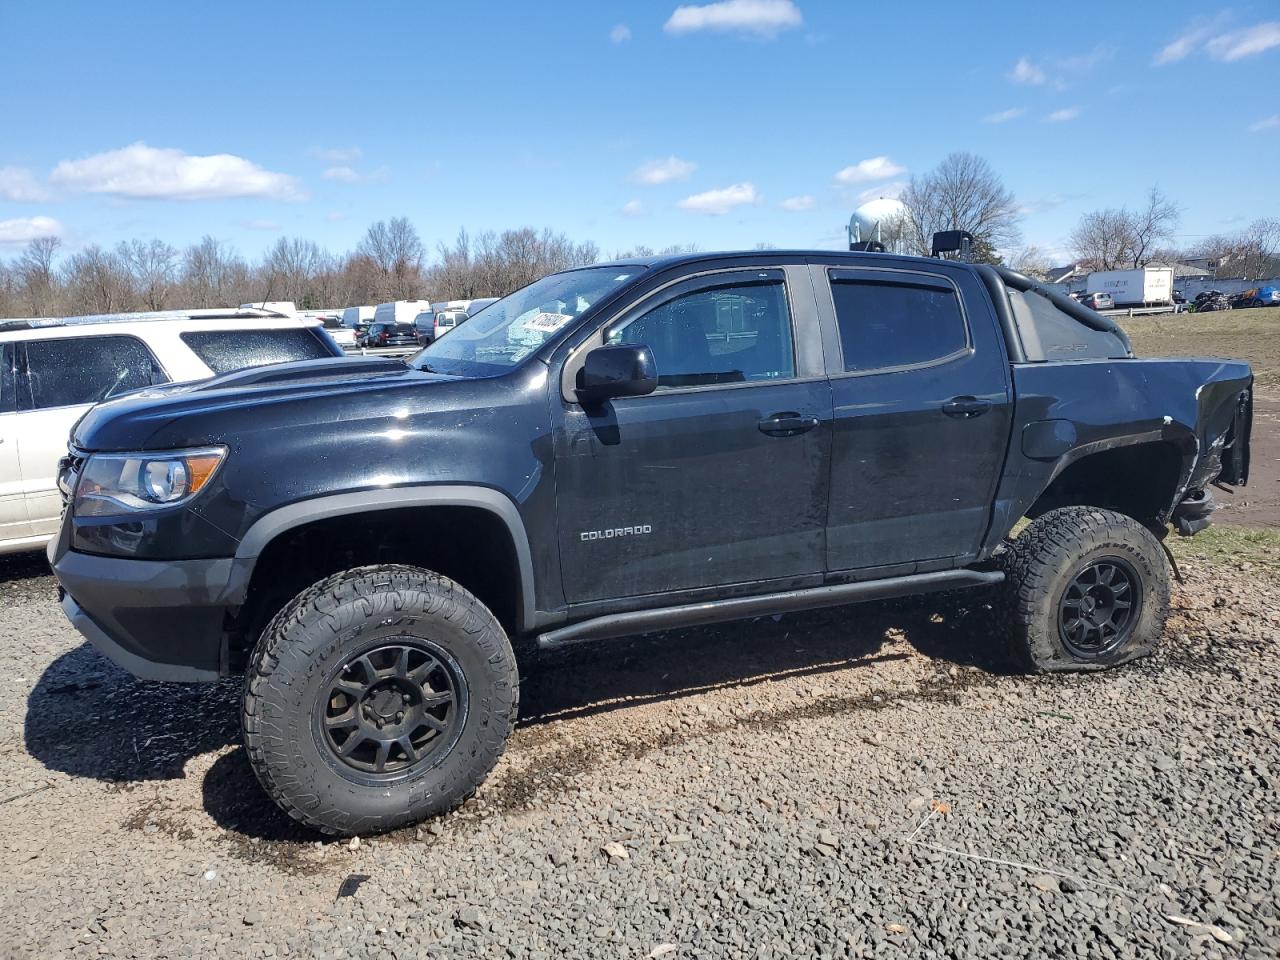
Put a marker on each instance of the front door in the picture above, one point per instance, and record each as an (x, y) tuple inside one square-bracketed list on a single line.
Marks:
[(922, 410), (719, 476)]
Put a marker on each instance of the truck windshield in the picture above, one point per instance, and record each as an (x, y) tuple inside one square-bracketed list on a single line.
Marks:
[(508, 331)]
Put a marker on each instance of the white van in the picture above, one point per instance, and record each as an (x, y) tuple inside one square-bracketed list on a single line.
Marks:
[(400, 311), (358, 316)]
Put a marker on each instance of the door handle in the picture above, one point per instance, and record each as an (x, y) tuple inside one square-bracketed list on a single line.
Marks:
[(966, 408), (787, 424)]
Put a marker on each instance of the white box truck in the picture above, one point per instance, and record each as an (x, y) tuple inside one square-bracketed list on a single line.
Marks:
[(1145, 287)]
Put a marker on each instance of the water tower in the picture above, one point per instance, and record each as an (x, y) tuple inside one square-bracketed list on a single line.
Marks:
[(882, 221)]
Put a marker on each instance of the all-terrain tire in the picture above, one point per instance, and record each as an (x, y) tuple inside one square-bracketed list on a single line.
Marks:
[(318, 635), (1043, 563)]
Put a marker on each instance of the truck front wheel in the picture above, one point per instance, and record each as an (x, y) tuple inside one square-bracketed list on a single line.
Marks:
[(1086, 588), (376, 698)]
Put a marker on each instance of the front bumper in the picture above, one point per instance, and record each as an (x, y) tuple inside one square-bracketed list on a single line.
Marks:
[(160, 620)]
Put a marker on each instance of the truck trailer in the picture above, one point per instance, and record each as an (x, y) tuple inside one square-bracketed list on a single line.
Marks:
[(1145, 287)]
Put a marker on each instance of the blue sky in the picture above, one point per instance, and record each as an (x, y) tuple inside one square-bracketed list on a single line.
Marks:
[(724, 125)]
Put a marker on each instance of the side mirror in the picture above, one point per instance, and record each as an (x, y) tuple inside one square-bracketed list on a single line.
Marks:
[(617, 370)]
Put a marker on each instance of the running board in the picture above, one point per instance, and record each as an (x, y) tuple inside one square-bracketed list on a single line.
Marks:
[(738, 608)]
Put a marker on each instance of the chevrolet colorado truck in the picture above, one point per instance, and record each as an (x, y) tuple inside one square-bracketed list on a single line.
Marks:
[(624, 448)]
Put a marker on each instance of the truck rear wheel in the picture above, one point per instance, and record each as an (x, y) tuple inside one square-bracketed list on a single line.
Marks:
[(1086, 588), (376, 698)]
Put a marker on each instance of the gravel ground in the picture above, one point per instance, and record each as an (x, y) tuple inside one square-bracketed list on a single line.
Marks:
[(849, 783)]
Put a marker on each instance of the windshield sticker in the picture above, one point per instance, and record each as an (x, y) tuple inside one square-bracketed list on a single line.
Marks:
[(549, 322)]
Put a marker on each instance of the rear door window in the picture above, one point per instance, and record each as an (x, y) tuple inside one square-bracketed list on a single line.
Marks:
[(73, 371), (224, 351), (887, 323)]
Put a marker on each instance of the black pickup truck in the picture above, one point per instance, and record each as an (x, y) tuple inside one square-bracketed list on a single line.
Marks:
[(618, 449)]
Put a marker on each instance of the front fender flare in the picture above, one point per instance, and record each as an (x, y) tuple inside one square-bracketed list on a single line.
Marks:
[(271, 525)]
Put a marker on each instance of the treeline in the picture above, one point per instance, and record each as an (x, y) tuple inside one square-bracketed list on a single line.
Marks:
[(390, 263)]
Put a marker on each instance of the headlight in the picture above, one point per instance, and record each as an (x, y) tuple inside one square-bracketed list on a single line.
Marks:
[(115, 483)]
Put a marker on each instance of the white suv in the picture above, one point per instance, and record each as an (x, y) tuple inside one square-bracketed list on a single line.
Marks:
[(52, 371)]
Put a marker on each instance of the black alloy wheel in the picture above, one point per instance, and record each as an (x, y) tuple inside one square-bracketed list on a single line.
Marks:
[(1099, 607), (393, 710)]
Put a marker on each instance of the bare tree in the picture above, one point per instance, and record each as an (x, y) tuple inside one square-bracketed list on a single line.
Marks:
[(213, 275), (962, 193), (1101, 240), (1030, 261), (1258, 249), (36, 275), (1153, 223), (154, 266), (98, 281), (494, 264), (296, 269), (1120, 238), (394, 248)]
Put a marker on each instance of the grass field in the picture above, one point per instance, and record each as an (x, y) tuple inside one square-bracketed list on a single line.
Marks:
[(1252, 335)]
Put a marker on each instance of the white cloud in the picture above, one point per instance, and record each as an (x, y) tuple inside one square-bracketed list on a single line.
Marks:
[(620, 34), (797, 204), (717, 202), (17, 183), (341, 174), (1004, 116), (1024, 71), (1066, 113), (761, 18), (1227, 46), (335, 217), (1182, 47), (663, 171), (337, 155), (16, 233), (871, 169), (259, 224), (1266, 123), (632, 208), (1239, 44), (154, 173)]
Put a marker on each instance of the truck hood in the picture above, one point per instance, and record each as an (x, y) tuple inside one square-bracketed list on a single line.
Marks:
[(208, 411)]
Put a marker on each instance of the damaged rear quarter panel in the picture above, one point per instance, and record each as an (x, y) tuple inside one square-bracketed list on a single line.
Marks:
[(1067, 410)]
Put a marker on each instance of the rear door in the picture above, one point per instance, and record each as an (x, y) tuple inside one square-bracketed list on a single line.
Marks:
[(922, 410), (13, 504), (58, 380), (720, 476)]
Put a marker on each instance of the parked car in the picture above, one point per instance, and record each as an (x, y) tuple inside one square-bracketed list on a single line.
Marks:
[(1257, 297), (424, 324), (1098, 301), (383, 334), (446, 320), (52, 371), (623, 448), (342, 335), (444, 316)]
